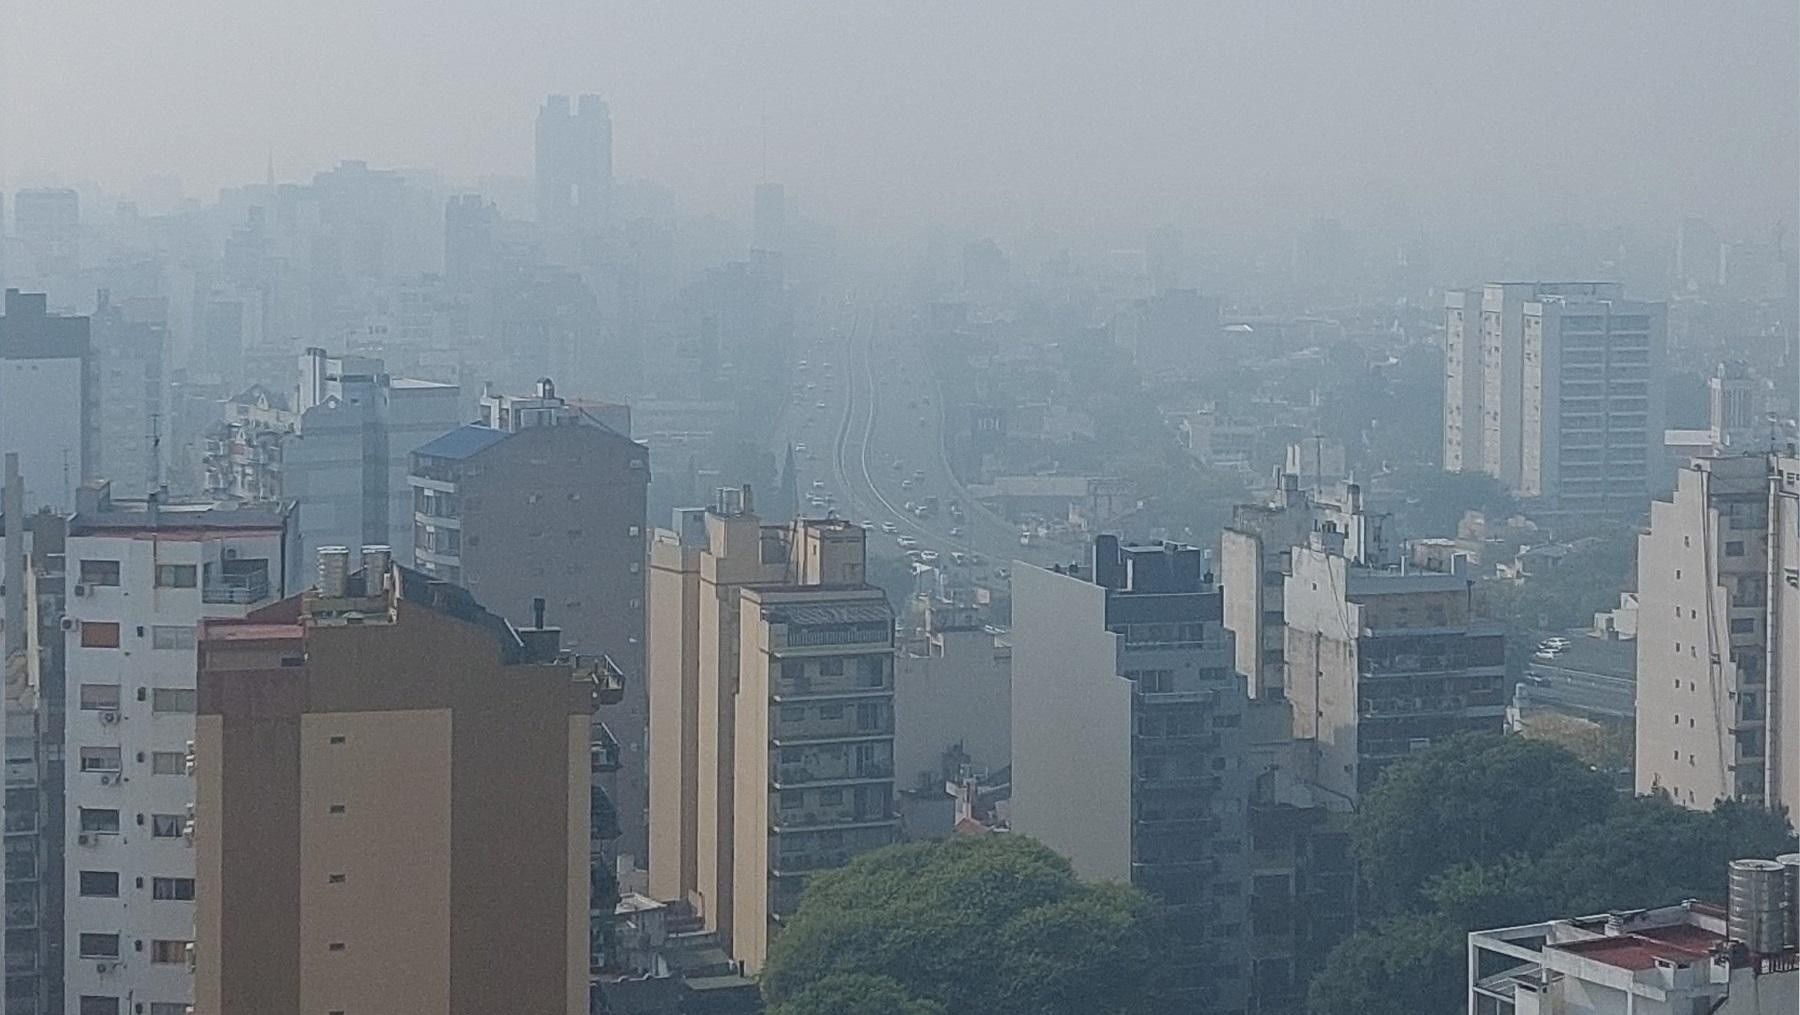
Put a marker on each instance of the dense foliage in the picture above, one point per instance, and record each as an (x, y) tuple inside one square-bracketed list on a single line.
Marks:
[(997, 925), (1490, 831)]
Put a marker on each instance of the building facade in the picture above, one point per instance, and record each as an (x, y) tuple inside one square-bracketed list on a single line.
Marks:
[(142, 575), (1255, 557), (952, 699), (47, 399), (379, 825), (130, 341), (1383, 662), (1130, 747), (771, 703), (574, 162), (1718, 604), (541, 500)]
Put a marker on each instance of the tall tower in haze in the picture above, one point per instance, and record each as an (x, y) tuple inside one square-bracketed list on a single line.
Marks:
[(574, 162)]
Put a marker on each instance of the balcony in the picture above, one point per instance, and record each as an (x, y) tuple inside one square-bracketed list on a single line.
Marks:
[(603, 752), (793, 776), (236, 589)]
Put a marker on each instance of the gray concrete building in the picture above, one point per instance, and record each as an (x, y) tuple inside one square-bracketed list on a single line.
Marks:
[(952, 699), (1130, 747)]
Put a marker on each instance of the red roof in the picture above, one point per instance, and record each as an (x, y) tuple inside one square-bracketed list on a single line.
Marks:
[(1678, 943)]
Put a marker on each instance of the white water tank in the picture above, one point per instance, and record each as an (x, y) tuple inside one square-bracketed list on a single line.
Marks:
[(1790, 863)]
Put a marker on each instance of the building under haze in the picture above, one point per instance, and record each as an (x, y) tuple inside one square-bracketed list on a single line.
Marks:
[(1129, 747), (771, 711), (392, 810), (1718, 604), (142, 574), (130, 340), (1556, 390), (574, 163), (47, 225), (1384, 661), (48, 393), (1256, 555)]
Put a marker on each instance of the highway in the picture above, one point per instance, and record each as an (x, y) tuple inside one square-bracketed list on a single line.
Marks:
[(868, 428)]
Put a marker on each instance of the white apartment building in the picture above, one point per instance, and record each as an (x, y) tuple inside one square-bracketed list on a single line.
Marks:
[(142, 574), (1687, 959), (1718, 606)]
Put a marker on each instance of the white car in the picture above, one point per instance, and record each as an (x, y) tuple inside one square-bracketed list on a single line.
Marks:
[(906, 542), (928, 555), (1557, 642), (889, 527)]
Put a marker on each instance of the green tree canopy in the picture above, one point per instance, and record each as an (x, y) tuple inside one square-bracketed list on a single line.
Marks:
[(855, 994), (1475, 798), (997, 925), (1411, 964)]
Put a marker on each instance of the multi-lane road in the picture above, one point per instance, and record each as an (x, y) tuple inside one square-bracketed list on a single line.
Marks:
[(868, 424)]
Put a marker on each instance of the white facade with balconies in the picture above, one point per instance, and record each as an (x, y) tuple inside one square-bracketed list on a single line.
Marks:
[(141, 576)]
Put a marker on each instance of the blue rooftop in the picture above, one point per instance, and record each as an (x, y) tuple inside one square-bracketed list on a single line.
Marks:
[(462, 442)]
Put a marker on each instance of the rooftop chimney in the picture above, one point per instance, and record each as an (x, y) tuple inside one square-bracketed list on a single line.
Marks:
[(375, 560), (334, 571)]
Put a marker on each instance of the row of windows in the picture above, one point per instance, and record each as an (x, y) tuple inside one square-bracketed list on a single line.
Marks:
[(105, 885), (105, 634), (106, 698), (105, 820), (111, 759), (168, 576), (97, 1004), (163, 951)]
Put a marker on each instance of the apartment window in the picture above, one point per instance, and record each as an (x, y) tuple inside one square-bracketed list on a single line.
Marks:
[(174, 636), (176, 576), (831, 797), (95, 1004), (792, 799), (100, 697), (793, 713), (1227, 722), (829, 712), (791, 755), (631, 530), (168, 763), (100, 884), (1743, 625), (1734, 548), (165, 826), (172, 889), (164, 952), (168, 1008), (871, 671), (99, 946), (100, 572), (99, 819), (174, 699), (831, 666), (95, 634), (868, 717), (100, 759)]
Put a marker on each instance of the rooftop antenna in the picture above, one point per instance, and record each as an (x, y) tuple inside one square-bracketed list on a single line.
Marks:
[(154, 473)]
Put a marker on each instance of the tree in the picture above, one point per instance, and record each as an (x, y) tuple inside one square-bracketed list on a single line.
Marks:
[(1473, 798), (855, 994), (996, 924), (1409, 964)]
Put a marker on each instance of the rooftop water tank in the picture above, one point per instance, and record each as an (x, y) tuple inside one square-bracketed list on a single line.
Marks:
[(1759, 908)]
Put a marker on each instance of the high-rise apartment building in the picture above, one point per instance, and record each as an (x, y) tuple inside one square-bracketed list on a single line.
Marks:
[(1129, 746), (1718, 607), (1255, 557), (129, 340), (1517, 374), (771, 699), (348, 461), (142, 575), (540, 499), (47, 223), (47, 399), (1384, 661), (1737, 405), (392, 810), (574, 162), (1591, 426)]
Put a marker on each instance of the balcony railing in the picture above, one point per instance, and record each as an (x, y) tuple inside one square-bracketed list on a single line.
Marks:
[(239, 589), (801, 775)]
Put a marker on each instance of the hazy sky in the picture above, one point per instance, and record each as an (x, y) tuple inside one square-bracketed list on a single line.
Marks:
[(1082, 113)]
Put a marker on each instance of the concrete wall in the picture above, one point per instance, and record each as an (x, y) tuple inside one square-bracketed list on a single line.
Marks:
[(672, 665), (1071, 719), (961, 696)]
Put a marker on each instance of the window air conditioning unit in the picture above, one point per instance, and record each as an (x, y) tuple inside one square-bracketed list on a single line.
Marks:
[(109, 717), (80, 590), (109, 778), (84, 839), (231, 553), (70, 623), (105, 967)]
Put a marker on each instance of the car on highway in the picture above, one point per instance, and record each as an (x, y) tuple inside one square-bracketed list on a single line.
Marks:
[(898, 465), (906, 484), (906, 542), (800, 448), (868, 523), (956, 532), (1557, 642), (918, 475), (821, 405), (889, 527), (928, 555)]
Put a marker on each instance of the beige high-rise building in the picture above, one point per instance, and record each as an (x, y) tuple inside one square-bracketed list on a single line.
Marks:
[(393, 805), (771, 714), (1718, 608)]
